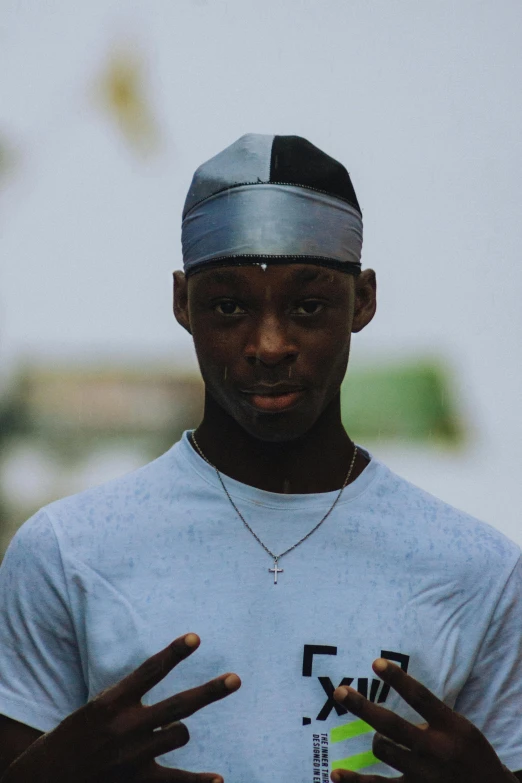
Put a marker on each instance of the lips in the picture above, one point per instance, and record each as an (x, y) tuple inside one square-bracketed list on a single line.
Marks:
[(273, 397), (275, 402)]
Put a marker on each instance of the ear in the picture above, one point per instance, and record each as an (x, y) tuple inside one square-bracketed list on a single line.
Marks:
[(365, 303), (180, 301)]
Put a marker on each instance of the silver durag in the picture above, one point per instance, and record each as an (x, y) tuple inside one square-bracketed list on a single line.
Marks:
[(271, 220)]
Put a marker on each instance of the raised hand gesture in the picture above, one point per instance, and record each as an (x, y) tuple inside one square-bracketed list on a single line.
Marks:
[(445, 749), (114, 738)]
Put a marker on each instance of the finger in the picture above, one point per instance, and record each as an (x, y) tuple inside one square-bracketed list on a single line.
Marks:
[(182, 776), (184, 704), (346, 776), (172, 737), (414, 693), (153, 670), (382, 720), (159, 742), (391, 753)]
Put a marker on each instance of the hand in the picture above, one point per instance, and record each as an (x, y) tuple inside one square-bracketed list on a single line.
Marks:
[(446, 749), (114, 738)]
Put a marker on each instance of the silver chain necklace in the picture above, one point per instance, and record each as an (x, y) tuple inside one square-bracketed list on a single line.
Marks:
[(276, 558)]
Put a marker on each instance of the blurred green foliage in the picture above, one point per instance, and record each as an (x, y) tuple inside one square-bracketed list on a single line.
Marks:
[(413, 401)]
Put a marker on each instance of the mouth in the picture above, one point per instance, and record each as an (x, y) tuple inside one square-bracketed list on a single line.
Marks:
[(275, 399)]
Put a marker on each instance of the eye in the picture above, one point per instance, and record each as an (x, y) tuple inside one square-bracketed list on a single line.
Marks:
[(310, 307), (228, 307)]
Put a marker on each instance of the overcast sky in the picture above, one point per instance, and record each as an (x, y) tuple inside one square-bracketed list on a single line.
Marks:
[(420, 100)]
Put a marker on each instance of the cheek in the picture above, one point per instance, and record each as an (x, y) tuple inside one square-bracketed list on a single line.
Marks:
[(217, 354), (330, 350), (330, 365)]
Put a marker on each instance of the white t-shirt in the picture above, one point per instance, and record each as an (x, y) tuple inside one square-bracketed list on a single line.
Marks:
[(95, 583)]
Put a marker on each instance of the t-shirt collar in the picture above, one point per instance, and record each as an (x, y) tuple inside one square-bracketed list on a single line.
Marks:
[(237, 489)]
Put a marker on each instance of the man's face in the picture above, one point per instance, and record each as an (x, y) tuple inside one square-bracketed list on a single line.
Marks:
[(273, 343)]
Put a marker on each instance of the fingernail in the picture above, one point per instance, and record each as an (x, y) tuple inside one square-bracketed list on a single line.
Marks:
[(191, 640), (336, 777), (232, 682), (380, 665), (340, 694)]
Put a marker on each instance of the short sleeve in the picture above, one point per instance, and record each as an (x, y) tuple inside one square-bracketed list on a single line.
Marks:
[(492, 695), (41, 678)]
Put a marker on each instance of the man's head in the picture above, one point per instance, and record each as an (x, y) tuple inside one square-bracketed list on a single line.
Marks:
[(272, 289)]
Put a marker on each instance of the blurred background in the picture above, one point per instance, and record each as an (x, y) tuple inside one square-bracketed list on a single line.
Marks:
[(106, 109)]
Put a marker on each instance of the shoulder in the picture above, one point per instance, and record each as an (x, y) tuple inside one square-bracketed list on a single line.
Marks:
[(132, 488), (85, 524), (430, 528), (35, 540)]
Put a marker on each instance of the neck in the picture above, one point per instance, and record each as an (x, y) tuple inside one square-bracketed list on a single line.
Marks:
[(318, 461)]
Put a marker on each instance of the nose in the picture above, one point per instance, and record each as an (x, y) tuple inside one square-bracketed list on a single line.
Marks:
[(270, 344)]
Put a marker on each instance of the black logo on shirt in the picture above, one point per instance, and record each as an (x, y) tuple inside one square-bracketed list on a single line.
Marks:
[(374, 691)]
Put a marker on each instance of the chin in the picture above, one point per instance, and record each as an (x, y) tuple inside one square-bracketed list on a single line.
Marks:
[(275, 428)]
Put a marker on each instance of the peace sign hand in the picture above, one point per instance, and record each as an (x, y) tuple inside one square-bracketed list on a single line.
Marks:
[(445, 749), (115, 739)]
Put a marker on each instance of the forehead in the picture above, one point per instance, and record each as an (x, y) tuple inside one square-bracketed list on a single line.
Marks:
[(283, 277)]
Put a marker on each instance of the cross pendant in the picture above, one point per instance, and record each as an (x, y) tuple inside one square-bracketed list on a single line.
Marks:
[(275, 570)]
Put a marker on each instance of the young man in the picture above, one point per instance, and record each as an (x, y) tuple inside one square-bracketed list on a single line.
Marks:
[(297, 555)]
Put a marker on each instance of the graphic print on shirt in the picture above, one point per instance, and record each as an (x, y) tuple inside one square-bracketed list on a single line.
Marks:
[(331, 747)]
